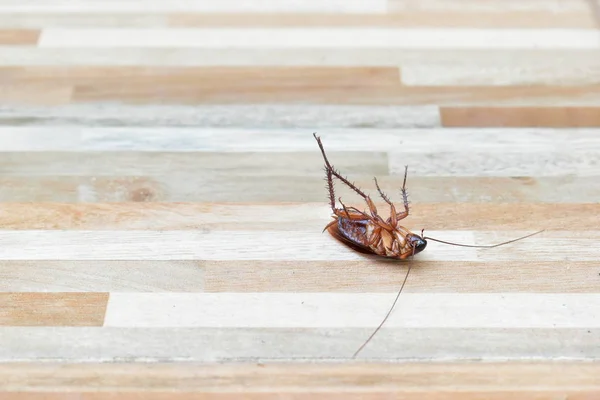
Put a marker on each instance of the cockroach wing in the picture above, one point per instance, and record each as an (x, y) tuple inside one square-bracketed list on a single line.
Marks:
[(353, 233)]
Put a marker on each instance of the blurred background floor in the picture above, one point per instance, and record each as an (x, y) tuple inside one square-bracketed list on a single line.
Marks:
[(162, 197)]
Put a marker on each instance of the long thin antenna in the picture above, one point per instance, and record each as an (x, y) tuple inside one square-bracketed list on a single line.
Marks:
[(387, 315), (485, 246)]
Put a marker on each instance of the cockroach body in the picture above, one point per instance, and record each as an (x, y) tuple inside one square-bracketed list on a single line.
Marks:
[(371, 234)]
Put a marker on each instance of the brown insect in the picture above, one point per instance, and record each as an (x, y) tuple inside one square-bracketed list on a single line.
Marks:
[(369, 233)]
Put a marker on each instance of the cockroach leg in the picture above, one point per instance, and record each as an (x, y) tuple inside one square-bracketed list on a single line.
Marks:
[(393, 219), (331, 170)]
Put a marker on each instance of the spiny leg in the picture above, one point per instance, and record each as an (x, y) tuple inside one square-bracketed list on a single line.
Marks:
[(393, 220), (404, 214), (331, 170)]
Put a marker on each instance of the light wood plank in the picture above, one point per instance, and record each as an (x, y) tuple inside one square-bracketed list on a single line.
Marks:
[(245, 140), (272, 116), (337, 57), (491, 6), (515, 162), (282, 245), (42, 94), (411, 380), (154, 164), (473, 75), (133, 6), (290, 216), (123, 346), (322, 38), (555, 117), (297, 276), (522, 95), (113, 78), (52, 309), (18, 37), (461, 18), (342, 310), (101, 276), (425, 277), (257, 189), (580, 19)]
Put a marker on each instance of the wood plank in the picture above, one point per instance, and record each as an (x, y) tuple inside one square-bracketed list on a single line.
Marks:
[(492, 6), (283, 245), (555, 117), (260, 189), (269, 38), (520, 95), (511, 163), (443, 380), (272, 116), (133, 6), (18, 37), (293, 141), (580, 19), (426, 277), (18, 56), (461, 18), (42, 94), (474, 75), (231, 346), (297, 276), (343, 310), (53, 309), (172, 78), (131, 163), (289, 216), (101, 276)]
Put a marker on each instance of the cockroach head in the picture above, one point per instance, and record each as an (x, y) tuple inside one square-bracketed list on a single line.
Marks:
[(417, 243)]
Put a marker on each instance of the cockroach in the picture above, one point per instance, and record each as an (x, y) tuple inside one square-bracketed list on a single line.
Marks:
[(369, 233)]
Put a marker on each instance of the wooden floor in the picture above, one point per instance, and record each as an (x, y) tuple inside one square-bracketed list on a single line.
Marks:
[(162, 198)]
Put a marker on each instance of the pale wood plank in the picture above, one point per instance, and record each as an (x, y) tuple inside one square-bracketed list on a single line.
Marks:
[(101, 276), (555, 117), (520, 96), (297, 276), (491, 6), (18, 37), (52, 309), (426, 276), (273, 116), (133, 6), (463, 18), (297, 345), (178, 56), (581, 19), (269, 38), (290, 216), (340, 310), (293, 140), (473, 75), (441, 380), (260, 189), (127, 163), (279, 245), (515, 162), (167, 79), (46, 94)]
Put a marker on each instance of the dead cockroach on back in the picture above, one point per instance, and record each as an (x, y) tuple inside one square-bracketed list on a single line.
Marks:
[(369, 233)]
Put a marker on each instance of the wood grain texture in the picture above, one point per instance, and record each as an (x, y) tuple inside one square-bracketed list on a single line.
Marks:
[(446, 380), (518, 117), (53, 309), (162, 199), (18, 37)]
